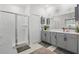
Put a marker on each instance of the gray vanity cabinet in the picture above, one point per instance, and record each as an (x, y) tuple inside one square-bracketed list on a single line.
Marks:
[(43, 36), (53, 38), (71, 42), (67, 41), (61, 40)]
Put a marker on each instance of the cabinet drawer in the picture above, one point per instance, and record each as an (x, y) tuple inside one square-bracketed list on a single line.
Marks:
[(71, 36)]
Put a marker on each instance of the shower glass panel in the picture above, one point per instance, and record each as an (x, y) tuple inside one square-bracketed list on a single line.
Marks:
[(22, 29)]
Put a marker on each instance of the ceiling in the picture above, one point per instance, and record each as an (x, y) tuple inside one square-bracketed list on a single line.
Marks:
[(49, 8), (44, 5)]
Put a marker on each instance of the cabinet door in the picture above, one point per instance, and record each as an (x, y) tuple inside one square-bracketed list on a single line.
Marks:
[(71, 43), (53, 38), (48, 37), (60, 40), (43, 36)]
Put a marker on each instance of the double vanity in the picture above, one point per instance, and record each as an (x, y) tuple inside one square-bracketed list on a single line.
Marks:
[(66, 40)]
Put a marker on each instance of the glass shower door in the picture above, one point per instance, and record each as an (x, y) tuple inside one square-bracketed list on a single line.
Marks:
[(22, 29)]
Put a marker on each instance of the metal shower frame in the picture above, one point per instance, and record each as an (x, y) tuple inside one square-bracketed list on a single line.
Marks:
[(16, 41)]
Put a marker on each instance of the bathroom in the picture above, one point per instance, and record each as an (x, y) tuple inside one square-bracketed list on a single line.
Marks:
[(39, 29)]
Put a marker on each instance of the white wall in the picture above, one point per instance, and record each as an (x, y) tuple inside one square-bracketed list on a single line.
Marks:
[(42, 10), (12, 8), (27, 10), (50, 10), (65, 9)]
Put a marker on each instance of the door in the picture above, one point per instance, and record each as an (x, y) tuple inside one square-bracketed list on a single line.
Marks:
[(48, 37), (61, 42), (34, 28), (43, 36), (53, 38), (7, 33), (22, 29), (71, 43)]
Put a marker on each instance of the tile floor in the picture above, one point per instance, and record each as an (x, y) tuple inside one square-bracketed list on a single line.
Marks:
[(37, 46), (33, 48)]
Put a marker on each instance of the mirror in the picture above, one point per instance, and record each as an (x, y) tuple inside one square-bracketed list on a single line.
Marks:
[(42, 20), (48, 21), (70, 23)]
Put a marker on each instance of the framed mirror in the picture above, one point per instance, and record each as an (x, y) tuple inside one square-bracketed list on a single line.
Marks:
[(70, 23), (42, 20), (48, 21)]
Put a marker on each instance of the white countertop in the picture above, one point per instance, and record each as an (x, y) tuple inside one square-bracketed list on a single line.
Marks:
[(61, 31)]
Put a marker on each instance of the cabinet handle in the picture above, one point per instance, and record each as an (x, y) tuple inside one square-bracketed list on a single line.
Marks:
[(65, 39), (45, 34), (55, 37)]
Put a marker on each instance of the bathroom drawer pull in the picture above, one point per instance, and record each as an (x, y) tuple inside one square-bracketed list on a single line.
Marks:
[(55, 37), (65, 39), (45, 34)]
